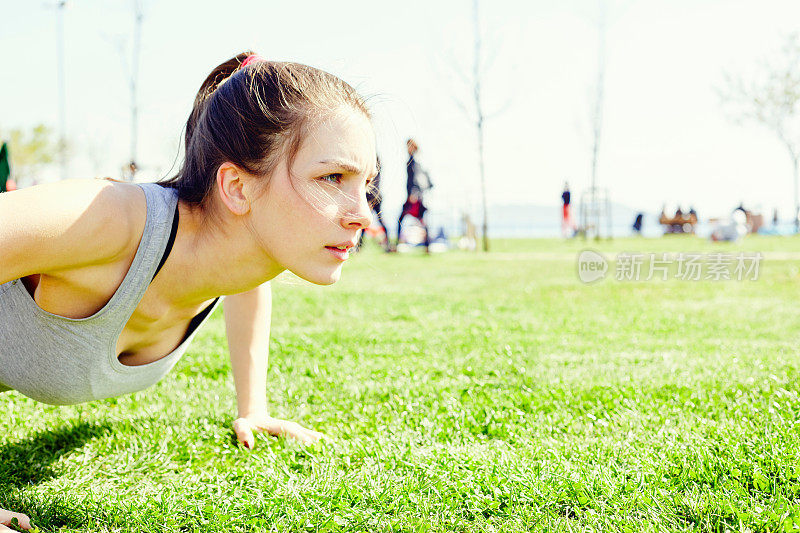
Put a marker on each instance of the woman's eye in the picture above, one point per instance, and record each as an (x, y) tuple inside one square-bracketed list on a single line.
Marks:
[(332, 178)]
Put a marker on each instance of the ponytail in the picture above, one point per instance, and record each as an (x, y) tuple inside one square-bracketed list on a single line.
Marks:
[(212, 81)]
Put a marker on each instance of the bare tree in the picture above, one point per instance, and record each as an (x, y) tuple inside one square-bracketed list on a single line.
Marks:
[(133, 80), (475, 110), (599, 201), (479, 118), (597, 112), (131, 69), (772, 99)]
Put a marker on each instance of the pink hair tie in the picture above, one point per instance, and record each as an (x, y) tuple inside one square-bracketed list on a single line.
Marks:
[(252, 58)]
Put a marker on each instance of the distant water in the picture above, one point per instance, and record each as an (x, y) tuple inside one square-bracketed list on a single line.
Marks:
[(536, 221), (520, 231), (703, 230)]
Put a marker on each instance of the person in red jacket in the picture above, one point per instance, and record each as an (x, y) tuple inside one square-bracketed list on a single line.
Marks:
[(415, 186), (566, 218)]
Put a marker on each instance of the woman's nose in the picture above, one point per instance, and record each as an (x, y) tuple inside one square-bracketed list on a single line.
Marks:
[(360, 217)]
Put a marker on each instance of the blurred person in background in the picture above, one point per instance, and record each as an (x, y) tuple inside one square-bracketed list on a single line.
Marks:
[(567, 226), (417, 182)]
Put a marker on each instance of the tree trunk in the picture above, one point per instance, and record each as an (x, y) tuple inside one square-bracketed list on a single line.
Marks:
[(597, 118)]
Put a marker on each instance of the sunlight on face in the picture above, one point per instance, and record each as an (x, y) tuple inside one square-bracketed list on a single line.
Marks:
[(335, 159), (311, 217)]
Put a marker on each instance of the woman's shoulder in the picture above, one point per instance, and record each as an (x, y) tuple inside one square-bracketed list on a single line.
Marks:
[(99, 206), (69, 224)]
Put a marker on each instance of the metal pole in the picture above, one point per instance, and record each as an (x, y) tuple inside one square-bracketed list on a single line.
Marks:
[(137, 39), (62, 97), (479, 111)]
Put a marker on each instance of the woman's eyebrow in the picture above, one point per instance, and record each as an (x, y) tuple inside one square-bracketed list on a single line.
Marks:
[(342, 164)]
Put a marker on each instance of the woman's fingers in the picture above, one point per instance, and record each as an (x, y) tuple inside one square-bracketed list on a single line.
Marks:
[(295, 431), (7, 516), (245, 427), (244, 433)]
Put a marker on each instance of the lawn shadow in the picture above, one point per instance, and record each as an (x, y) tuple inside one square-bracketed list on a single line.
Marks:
[(51, 514), (29, 461)]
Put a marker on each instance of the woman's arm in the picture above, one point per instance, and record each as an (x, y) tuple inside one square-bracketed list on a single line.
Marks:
[(247, 321), (66, 225)]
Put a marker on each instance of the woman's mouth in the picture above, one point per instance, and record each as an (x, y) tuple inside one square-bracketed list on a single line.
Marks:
[(341, 252)]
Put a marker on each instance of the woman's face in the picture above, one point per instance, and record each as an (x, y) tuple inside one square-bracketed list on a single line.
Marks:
[(308, 220)]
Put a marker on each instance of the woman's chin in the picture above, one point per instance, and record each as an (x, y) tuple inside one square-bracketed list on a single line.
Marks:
[(321, 278)]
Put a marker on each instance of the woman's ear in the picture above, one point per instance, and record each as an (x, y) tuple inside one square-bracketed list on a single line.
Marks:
[(230, 185)]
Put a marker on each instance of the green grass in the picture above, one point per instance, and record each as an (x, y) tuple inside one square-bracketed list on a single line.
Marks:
[(460, 392)]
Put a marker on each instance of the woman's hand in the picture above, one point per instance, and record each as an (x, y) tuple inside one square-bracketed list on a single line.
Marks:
[(246, 426), (7, 516)]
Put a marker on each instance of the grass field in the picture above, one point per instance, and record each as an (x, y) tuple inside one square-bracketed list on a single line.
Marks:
[(459, 392)]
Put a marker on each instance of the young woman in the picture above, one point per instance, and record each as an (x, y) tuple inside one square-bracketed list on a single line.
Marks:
[(103, 284)]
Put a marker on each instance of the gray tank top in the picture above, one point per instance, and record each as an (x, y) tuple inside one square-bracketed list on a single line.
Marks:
[(61, 361)]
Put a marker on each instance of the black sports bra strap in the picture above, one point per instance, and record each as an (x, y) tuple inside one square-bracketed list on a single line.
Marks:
[(170, 242), (198, 319)]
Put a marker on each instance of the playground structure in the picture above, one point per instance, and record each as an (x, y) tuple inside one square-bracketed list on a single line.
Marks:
[(595, 213)]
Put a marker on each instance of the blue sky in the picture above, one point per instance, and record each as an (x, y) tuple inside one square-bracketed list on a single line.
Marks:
[(666, 138)]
